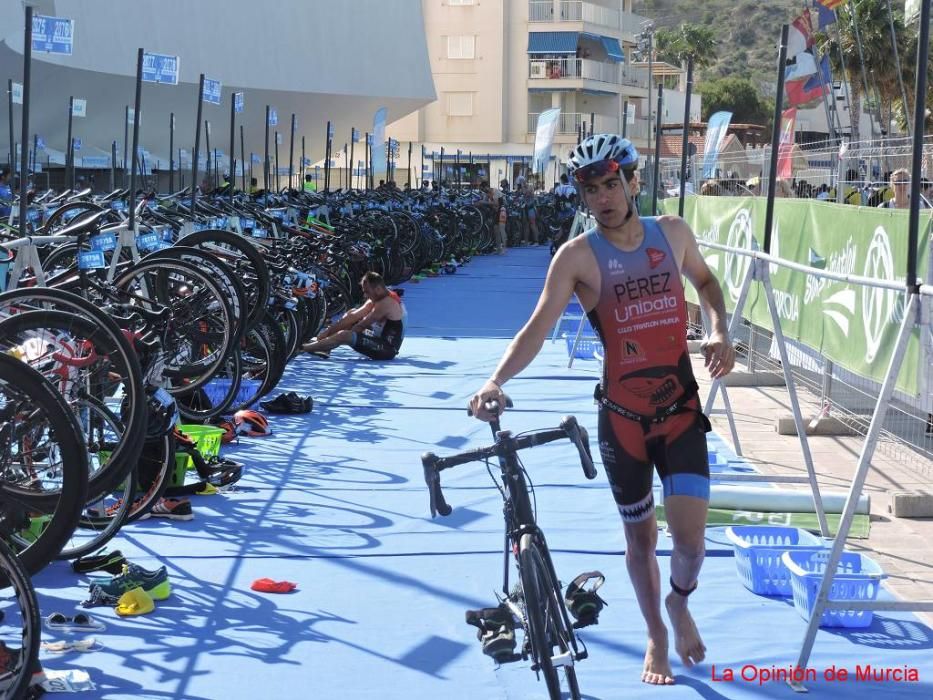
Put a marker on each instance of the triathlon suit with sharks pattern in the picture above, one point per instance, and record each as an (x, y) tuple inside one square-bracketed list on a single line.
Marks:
[(649, 409)]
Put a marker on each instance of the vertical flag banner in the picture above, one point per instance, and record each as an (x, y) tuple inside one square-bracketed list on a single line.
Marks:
[(715, 136), (785, 162), (378, 150), (17, 93), (826, 10), (544, 138), (804, 80), (808, 90)]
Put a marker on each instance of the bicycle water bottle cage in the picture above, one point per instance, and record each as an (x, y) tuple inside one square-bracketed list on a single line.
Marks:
[(496, 630), (585, 605)]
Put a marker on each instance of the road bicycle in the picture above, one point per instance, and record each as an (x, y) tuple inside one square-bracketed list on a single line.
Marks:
[(537, 602)]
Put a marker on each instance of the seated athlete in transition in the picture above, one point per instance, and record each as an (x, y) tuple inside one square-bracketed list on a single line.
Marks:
[(375, 329)]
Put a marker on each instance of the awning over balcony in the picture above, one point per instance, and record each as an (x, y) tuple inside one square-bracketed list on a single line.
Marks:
[(613, 49), (553, 42)]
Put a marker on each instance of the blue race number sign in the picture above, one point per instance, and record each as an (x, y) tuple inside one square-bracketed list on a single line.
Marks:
[(159, 68), (52, 35)]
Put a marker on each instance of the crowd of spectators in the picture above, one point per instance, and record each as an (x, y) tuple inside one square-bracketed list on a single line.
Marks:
[(890, 192)]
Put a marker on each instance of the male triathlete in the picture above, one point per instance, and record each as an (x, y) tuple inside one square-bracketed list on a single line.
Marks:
[(627, 274), (375, 329)]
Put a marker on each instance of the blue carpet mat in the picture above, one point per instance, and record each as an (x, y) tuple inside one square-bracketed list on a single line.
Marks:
[(335, 502)]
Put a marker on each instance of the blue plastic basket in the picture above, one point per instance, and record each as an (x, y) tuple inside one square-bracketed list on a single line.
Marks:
[(588, 347), (857, 578), (758, 555), (216, 389)]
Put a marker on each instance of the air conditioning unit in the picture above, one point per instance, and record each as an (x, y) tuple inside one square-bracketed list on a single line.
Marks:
[(539, 69)]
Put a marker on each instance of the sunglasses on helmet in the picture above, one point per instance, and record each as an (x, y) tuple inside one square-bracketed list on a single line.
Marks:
[(598, 169)]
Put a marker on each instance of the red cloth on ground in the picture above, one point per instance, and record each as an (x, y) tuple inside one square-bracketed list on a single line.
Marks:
[(267, 585)]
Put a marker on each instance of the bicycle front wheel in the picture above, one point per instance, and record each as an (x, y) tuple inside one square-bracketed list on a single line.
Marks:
[(552, 641)]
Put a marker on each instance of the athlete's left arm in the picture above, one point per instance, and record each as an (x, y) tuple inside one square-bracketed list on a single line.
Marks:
[(378, 312), (718, 349)]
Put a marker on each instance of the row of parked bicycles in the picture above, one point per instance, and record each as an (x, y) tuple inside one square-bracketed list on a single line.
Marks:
[(112, 333)]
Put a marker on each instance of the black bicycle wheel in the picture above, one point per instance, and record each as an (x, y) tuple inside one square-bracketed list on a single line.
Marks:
[(123, 373), (551, 636), (243, 257), (43, 465), (200, 334), (20, 626), (83, 361)]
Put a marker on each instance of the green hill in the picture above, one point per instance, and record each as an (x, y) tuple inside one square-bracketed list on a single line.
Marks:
[(748, 32)]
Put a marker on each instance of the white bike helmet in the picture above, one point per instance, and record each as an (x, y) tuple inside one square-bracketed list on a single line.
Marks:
[(601, 154), (603, 147)]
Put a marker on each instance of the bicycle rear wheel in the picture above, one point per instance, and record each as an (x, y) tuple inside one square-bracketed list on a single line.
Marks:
[(552, 640), (20, 626), (43, 465)]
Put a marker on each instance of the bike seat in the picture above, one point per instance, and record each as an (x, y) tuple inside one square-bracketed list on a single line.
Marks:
[(83, 225)]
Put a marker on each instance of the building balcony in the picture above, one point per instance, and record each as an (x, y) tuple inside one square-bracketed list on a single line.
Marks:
[(570, 123), (577, 11), (567, 70)]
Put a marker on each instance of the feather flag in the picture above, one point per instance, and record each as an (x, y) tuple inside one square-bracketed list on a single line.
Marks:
[(826, 14), (800, 60), (786, 146), (802, 92)]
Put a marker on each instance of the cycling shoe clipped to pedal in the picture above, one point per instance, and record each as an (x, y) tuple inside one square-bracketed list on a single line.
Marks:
[(496, 630), (289, 402), (584, 604)]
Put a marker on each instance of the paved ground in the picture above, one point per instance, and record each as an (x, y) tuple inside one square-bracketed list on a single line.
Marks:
[(904, 547)]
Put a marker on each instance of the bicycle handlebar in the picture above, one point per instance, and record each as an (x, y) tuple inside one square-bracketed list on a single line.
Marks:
[(434, 465)]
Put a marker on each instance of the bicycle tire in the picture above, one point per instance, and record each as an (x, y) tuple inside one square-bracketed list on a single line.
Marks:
[(209, 322), (28, 624), (547, 624), (48, 416), (218, 242), (28, 329), (135, 413)]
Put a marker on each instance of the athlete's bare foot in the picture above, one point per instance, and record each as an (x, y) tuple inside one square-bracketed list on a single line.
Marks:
[(657, 669), (687, 640)]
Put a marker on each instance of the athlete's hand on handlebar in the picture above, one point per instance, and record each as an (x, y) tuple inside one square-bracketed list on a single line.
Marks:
[(490, 392), (719, 353)]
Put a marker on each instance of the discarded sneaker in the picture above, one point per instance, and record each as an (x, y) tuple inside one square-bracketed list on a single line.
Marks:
[(288, 403), (172, 509), (155, 583), (112, 563)]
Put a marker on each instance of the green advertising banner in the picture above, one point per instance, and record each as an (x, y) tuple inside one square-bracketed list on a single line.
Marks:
[(851, 325)]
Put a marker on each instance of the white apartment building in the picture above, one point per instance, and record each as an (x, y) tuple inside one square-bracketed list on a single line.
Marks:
[(497, 64)]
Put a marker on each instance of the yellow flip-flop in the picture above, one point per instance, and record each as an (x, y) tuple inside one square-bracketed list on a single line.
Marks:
[(134, 602)]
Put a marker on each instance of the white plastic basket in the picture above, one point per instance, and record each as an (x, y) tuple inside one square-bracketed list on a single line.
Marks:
[(758, 555)]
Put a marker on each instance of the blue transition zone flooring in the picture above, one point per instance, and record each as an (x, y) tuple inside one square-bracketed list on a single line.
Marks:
[(335, 502)]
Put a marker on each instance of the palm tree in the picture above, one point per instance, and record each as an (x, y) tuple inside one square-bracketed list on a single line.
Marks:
[(687, 41), (908, 54), (862, 36)]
